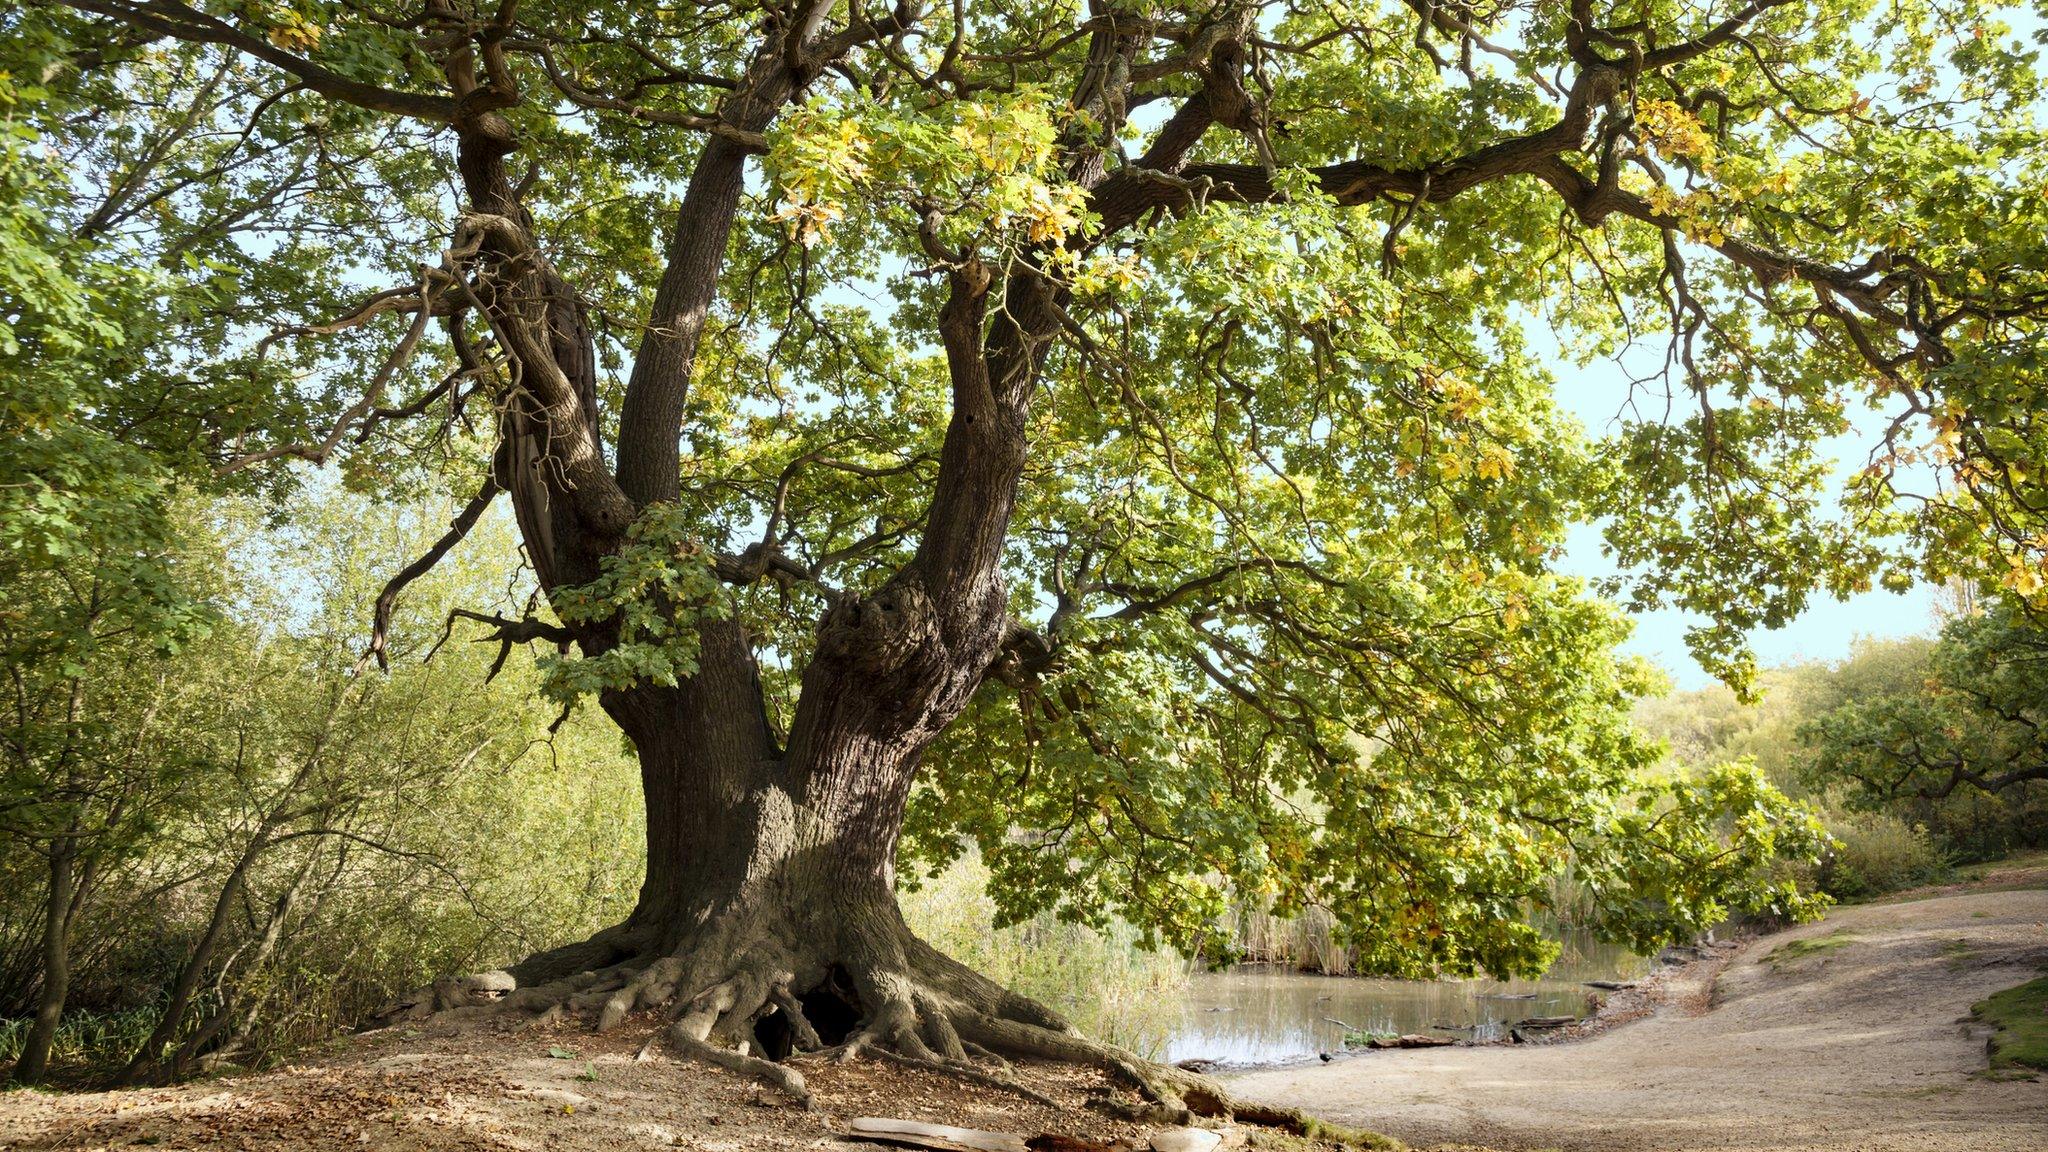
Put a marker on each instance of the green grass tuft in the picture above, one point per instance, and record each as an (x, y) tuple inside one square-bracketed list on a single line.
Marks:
[(1320, 1135), (2021, 1017), (1811, 946)]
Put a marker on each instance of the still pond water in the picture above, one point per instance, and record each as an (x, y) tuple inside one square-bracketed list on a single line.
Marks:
[(1261, 1015)]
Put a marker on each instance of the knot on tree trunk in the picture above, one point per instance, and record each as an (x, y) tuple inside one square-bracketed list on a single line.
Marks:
[(880, 633)]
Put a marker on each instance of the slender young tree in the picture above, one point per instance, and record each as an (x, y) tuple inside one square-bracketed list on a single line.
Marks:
[(1122, 417)]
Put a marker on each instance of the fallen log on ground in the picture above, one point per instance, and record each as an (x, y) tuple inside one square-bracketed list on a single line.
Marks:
[(1412, 1040), (939, 1137)]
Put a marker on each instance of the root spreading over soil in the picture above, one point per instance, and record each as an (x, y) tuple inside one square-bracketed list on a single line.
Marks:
[(775, 1003), (503, 1085)]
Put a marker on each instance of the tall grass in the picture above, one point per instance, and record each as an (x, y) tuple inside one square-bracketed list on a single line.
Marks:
[(1310, 941), (87, 1042), (1106, 983), (1307, 942)]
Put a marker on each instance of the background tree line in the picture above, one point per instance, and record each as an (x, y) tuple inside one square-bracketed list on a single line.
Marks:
[(1924, 753)]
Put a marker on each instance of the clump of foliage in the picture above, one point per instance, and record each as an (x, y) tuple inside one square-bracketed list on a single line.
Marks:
[(1921, 752), (1973, 718), (1876, 852), (659, 585), (304, 838)]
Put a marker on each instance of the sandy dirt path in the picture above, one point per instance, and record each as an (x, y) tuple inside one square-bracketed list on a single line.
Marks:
[(1859, 1046)]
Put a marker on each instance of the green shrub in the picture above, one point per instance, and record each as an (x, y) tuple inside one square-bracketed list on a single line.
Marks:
[(1876, 853)]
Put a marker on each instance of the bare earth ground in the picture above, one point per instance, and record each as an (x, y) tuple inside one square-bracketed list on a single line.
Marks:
[(491, 1090), (1862, 1047), (483, 1088), (1858, 1047)]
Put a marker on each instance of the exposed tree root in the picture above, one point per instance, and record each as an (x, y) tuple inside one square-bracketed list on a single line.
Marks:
[(969, 1074), (747, 1002), (779, 1076)]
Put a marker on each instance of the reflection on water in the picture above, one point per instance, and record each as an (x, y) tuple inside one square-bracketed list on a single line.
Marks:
[(1258, 1015)]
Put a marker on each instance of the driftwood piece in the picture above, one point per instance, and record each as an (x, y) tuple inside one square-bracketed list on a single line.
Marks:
[(1186, 1140), (941, 1137), (1411, 1040), (1547, 1021), (1610, 985)]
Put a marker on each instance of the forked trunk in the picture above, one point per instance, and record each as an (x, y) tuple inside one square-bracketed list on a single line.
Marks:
[(771, 874), (769, 891)]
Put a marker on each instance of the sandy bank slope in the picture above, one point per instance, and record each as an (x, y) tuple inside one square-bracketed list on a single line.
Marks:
[(1851, 1047)]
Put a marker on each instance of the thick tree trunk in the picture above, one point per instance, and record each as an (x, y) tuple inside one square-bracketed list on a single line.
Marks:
[(34, 1061), (770, 875), (768, 923)]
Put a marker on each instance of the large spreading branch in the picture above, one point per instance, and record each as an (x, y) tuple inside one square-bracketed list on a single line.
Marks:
[(1610, 63), (169, 18), (794, 53)]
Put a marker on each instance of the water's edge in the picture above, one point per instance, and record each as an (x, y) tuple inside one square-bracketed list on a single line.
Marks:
[(1256, 1016)]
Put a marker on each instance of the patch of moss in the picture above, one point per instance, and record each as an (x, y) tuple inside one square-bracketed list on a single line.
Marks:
[(1321, 1138), (2020, 1016), (1321, 1135), (1811, 946)]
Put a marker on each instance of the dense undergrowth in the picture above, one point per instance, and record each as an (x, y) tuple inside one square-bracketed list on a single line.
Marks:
[(1885, 840), (269, 840)]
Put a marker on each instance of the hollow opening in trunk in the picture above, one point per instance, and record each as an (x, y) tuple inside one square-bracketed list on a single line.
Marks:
[(833, 1008)]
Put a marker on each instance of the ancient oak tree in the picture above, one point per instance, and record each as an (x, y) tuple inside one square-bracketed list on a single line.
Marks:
[(1121, 435)]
